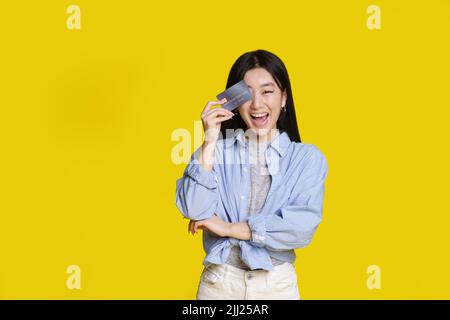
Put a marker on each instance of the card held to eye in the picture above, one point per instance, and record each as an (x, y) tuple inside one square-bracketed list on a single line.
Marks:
[(235, 95)]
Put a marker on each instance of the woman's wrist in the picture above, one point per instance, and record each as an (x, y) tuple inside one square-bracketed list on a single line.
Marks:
[(239, 230), (207, 155)]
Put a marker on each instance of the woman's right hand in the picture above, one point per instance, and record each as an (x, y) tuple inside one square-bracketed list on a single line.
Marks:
[(212, 118)]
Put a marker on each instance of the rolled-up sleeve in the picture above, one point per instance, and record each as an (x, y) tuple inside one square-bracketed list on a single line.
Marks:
[(197, 190), (294, 225)]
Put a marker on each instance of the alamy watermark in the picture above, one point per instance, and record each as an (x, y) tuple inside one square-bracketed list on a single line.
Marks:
[(255, 140)]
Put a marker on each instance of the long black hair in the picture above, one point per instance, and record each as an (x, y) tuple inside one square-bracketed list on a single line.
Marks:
[(287, 121)]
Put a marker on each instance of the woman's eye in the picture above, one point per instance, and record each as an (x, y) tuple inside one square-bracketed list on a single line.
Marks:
[(268, 92)]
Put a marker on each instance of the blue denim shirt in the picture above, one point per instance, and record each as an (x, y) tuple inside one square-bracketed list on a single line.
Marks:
[(290, 215)]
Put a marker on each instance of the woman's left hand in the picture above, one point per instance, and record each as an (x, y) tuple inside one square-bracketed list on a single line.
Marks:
[(213, 224)]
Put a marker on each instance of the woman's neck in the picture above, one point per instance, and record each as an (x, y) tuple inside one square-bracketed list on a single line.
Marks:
[(262, 139)]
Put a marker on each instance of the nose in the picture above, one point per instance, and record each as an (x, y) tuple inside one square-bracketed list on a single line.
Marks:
[(257, 101)]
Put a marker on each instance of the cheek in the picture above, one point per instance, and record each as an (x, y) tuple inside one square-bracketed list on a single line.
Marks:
[(275, 112), (245, 106), (243, 110), (273, 103)]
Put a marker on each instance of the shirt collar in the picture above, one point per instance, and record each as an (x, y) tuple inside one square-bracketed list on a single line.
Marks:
[(280, 143)]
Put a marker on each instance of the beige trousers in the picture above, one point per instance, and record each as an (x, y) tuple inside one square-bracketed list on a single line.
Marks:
[(226, 282)]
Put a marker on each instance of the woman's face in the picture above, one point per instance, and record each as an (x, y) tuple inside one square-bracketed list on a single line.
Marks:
[(261, 113)]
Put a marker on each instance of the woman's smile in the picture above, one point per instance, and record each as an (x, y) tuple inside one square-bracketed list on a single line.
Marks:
[(259, 120)]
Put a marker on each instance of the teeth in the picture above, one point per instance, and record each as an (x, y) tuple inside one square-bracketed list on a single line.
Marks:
[(258, 115)]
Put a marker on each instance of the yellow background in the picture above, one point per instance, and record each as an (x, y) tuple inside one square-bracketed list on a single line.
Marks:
[(87, 116)]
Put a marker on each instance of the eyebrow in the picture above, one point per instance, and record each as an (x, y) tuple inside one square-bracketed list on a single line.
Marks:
[(265, 84)]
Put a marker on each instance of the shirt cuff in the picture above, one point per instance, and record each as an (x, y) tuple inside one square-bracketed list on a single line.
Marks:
[(206, 178), (257, 226)]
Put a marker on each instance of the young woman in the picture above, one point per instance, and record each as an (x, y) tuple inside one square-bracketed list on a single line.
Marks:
[(253, 187)]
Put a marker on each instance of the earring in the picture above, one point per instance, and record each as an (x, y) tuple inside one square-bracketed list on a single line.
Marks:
[(284, 108)]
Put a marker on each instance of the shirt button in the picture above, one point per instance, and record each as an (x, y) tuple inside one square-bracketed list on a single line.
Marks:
[(249, 276), (242, 197)]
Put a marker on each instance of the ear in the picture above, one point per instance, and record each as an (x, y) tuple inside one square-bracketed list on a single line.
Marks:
[(284, 98)]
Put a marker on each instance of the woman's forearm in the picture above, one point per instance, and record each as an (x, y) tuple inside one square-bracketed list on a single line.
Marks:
[(206, 159), (240, 230)]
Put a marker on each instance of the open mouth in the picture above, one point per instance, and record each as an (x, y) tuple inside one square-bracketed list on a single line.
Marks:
[(259, 119)]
